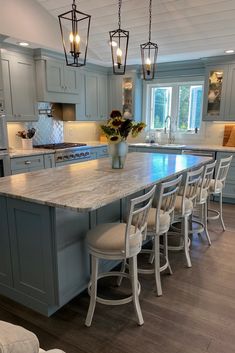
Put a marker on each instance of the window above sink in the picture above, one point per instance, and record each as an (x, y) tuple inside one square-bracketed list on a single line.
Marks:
[(181, 100)]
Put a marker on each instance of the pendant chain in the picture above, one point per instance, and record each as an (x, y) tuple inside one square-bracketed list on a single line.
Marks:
[(119, 13), (150, 19)]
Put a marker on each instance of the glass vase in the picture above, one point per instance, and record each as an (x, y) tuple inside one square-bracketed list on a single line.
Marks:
[(118, 152)]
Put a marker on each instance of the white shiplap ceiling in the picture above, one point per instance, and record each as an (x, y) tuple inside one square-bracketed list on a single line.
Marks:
[(183, 29)]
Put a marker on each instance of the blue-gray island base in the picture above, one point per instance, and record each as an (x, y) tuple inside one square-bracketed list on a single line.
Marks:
[(45, 216)]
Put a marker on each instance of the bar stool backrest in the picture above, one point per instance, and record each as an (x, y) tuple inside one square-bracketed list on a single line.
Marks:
[(206, 179), (138, 216), (222, 170), (191, 184), (165, 198)]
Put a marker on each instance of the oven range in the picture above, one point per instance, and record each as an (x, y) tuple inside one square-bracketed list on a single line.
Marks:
[(68, 152)]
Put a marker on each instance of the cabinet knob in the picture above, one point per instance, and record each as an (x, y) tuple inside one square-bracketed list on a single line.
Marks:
[(27, 162)]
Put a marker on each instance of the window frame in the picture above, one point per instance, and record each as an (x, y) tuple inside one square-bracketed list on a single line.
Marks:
[(175, 83)]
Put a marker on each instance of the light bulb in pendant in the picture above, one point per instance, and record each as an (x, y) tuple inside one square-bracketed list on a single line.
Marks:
[(148, 65), (119, 57), (71, 38), (77, 44)]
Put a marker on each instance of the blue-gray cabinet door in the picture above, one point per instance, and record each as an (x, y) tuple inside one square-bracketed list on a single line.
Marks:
[(5, 254), (32, 249), (230, 94)]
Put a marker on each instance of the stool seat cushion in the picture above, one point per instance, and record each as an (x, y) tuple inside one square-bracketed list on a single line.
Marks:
[(215, 186), (204, 195), (16, 339), (164, 220), (178, 205), (111, 237)]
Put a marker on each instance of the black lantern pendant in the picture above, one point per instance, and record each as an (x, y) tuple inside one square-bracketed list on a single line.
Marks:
[(75, 42), (149, 52), (119, 39)]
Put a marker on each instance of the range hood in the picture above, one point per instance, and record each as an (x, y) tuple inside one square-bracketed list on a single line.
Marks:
[(59, 111)]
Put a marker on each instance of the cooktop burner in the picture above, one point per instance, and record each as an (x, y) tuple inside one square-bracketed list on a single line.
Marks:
[(56, 146)]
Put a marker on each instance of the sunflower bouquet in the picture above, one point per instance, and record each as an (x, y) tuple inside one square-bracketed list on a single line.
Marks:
[(118, 128)]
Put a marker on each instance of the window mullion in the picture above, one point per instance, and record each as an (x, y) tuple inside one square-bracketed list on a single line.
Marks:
[(175, 103)]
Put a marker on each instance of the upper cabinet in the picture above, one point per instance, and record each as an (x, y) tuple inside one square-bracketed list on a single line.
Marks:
[(18, 73), (219, 93), (57, 82), (91, 96), (230, 94), (125, 94), (93, 104)]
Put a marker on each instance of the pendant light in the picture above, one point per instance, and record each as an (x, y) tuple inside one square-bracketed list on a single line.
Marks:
[(75, 27), (149, 52), (119, 39)]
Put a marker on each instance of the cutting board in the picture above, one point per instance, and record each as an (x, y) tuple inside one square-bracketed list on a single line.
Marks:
[(229, 135)]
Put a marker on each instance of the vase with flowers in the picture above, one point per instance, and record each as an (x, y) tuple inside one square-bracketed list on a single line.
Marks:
[(117, 129), (26, 138)]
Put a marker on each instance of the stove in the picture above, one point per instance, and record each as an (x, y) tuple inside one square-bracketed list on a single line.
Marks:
[(62, 145), (68, 152)]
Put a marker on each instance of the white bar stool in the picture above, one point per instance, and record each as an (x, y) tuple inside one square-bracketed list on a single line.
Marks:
[(184, 209), (201, 200), (119, 241), (217, 185), (159, 221)]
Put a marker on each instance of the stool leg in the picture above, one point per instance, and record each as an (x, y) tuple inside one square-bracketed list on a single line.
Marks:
[(205, 223), (186, 247), (123, 268), (94, 277), (157, 265), (165, 242), (134, 284), (221, 210)]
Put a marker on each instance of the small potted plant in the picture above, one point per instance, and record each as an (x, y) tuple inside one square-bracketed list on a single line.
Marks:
[(117, 129), (26, 138)]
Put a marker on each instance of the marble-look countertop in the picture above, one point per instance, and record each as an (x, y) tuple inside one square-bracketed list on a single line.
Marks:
[(87, 186), (14, 153), (185, 147)]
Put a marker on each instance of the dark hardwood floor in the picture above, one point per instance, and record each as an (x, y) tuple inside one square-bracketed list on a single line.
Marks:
[(196, 313)]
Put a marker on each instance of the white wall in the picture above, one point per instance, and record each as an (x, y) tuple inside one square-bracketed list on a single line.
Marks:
[(28, 20), (81, 131)]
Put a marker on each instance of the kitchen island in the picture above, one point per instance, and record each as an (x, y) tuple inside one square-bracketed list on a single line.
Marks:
[(45, 215)]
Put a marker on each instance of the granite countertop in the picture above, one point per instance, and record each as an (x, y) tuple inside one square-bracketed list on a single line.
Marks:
[(14, 153), (90, 185), (185, 147)]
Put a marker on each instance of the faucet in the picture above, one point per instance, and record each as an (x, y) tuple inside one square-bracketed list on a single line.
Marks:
[(171, 137)]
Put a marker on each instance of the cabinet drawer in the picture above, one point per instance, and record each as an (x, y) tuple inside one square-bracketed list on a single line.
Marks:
[(24, 163), (102, 152)]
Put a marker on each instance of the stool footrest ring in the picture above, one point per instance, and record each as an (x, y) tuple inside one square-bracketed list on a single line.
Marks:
[(113, 301), (217, 214)]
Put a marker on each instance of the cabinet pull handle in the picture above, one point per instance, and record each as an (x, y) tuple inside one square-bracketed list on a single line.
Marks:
[(27, 162)]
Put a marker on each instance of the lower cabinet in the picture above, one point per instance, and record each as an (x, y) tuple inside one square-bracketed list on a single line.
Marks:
[(31, 249), (32, 163), (49, 160), (5, 253), (229, 189), (102, 152)]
